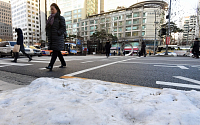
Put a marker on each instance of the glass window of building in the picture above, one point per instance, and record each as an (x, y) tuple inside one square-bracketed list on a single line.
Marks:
[(107, 19), (143, 27), (135, 33), (143, 33), (120, 35), (82, 23), (115, 18), (144, 21), (135, 21), (86, 23), (128, 16), (115, 29), (120, 23), (136, 14), (75, 16), (107, 24), (79, 10), (75, 11), (115, 24), (135, 27), (96, 21), (68, 18), (128, 34), (79, 15), (91, 33), (128, 28), (103, 20), (68, 13), (68, 22), (74, 25), (144, 14), (102, 25), (120, 29), (85, 33), (75, 20), (79, 19), (82, 28), (92, 28), (128, 22), (120, 17), (115, 34), (91, 21), (85, 28)]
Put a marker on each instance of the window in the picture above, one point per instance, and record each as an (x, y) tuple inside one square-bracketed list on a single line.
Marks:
[(68, 22), (119, 35), (107, 19), (120, 23), (135, 27), (128, 28), (135, 21), (103, 20), (74, 25), (75, 20), (68, 18), (68, 13), (75, 16), (82, 24), (75, 11), (92, 28), (120, 29), (95, 21), (128, 22), (115, 29), (91, 33), (143, 33), (144, 14), (134, 33), (79, 15), (115, 24), (120, 17), (86, 23), (79, 11), (128, 34), (128, 16), (85, 28), (92, 22), (107, 24), (115, 18), (137, 14), (144, 21), (102, 25), (143, 27)]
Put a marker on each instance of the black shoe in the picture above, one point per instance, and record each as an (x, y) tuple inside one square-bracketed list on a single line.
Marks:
[(49, 67), (14, 61), (30, 59), (62, 66)]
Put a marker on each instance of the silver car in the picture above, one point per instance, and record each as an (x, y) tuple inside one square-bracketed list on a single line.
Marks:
[(6, 48)]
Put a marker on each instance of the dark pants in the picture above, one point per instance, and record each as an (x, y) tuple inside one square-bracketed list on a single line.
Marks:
[(16, 55), (107, 53), (143, 52), (196, 54), (54, 57)]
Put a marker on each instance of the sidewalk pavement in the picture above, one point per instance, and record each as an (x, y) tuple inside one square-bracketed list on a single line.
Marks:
[(8, 86)]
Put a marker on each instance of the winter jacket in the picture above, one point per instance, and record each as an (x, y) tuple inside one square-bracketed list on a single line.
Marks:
[(196, 46), (55, 33), (20, 38)]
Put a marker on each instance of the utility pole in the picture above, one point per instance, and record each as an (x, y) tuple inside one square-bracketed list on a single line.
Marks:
[(154, 47), (169, 32)]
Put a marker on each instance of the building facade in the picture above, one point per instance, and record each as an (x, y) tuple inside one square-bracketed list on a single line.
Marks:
[(5, 21), (190, 29), (25, 15), (133, 24)]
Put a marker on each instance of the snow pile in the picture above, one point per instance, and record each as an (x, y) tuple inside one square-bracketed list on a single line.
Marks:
[(92, 102)]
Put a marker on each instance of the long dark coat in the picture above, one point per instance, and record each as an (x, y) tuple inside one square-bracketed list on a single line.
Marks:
[(196, 46), (55, 33), (107, 47), (20, 38)]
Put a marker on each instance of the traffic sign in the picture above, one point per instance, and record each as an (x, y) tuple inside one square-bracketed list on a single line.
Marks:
[(168, 40)]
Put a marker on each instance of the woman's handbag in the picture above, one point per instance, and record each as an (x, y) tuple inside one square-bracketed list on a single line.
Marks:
[(16, 48)]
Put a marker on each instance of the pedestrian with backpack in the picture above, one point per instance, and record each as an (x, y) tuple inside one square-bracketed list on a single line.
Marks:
[(56, 29)]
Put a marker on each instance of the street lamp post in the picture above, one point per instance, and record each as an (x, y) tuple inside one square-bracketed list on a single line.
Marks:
[(154, 47)]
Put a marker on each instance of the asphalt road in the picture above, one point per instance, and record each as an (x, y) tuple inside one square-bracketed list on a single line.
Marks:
[(181, 73)]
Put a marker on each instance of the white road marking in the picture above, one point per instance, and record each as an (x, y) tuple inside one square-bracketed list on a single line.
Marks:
[(97, 67), (87, 62), (178, 84), (182, 67), (187, 79), (152, 63)]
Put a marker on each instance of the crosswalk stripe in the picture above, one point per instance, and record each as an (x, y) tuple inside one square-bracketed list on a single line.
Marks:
[(178, 84), (187, 79)]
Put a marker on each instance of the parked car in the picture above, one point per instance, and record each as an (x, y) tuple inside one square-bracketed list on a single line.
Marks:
[(37, 52), (46, 52), (6, 48), (169, 53)]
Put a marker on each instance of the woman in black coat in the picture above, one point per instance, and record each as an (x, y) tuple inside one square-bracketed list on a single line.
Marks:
[(20, 41), (56, 28), (107, 46)]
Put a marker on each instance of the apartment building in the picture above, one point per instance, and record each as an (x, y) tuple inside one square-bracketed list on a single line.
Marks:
[(25, 15), (133, 24), (5, 21)]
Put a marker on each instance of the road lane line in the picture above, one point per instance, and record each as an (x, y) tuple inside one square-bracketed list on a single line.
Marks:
[(183, 67), (87, 62), (187, 79), (178, 84), (97, 67)]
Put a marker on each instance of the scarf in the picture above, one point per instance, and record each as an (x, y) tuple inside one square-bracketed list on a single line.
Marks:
[(50, 19)]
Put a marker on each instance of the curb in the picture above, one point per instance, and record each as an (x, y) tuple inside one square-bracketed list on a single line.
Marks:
[(71, 77)]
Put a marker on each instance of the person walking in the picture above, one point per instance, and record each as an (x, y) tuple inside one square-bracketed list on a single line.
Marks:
[(56, 28), (196, 48), (20, 41), (143, 50), (107, 46)]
